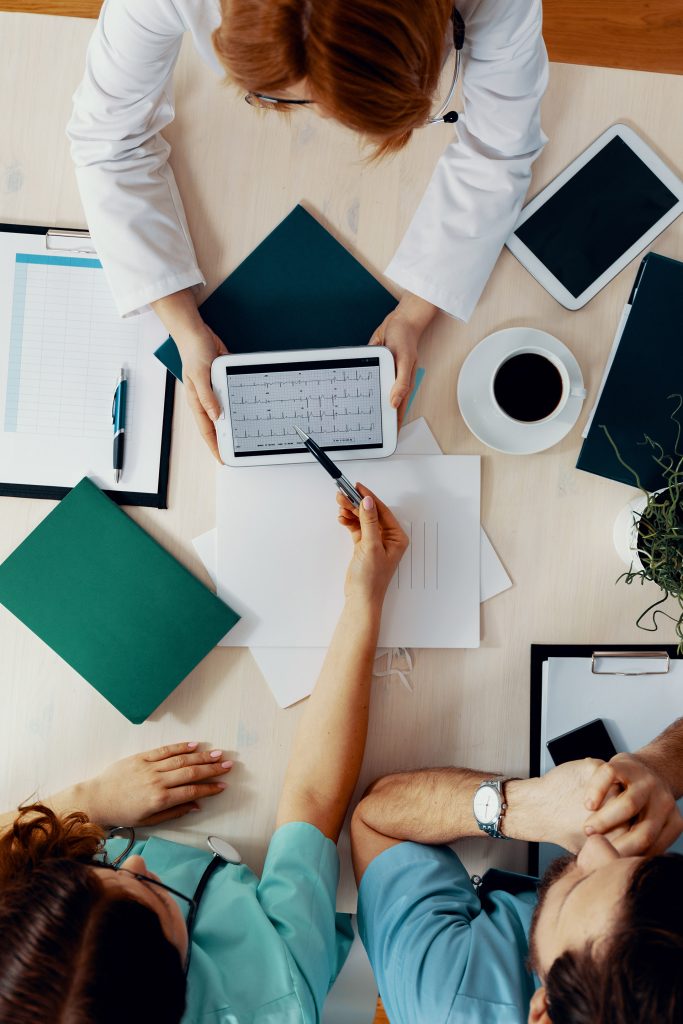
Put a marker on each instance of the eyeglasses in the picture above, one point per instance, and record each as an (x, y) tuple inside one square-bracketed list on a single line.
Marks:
[(128, 834), (265, 102)]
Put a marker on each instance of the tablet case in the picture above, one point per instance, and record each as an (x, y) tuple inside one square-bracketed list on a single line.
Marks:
[(647, 369), (300, 288), (112, 602)]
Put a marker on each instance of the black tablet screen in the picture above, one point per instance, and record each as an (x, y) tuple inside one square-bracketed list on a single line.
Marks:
[(596, 216)]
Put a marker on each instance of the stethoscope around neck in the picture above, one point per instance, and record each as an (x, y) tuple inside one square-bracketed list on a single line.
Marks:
[(223, 853)]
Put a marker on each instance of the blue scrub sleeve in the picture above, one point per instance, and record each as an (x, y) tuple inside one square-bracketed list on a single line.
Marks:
[(298, 893), (415, 906)]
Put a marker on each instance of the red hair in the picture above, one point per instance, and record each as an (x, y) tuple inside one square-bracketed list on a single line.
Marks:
[(373, 64)]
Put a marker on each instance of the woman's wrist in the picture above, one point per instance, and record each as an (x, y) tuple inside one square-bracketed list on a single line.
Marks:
[(416, 311), (179, 314)]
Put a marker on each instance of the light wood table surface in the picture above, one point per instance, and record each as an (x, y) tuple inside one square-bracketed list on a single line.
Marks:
[(239, 174)]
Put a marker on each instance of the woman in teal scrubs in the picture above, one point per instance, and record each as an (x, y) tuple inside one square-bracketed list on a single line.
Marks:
[(159, 932)]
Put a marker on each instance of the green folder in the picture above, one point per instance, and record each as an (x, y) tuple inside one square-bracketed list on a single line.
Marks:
[(112, 602), (300, 288)]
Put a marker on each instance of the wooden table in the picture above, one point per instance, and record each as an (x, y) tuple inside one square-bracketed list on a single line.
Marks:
[(240, 173)]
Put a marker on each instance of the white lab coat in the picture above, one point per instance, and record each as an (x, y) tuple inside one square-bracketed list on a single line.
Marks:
[(133, 207)]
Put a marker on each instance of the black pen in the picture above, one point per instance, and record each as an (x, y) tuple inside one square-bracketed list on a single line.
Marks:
[(344, 485)]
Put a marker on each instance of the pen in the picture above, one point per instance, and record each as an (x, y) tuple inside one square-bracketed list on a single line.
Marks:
[(118, 416), (344, 485)]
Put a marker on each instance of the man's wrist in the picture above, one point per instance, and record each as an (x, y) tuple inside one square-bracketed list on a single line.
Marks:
[(524, 818)]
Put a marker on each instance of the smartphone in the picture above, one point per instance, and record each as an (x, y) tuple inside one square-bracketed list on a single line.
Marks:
[(590, 740)]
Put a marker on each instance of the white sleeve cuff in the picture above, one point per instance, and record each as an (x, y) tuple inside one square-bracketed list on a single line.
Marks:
[(135, 302), (460, 307)]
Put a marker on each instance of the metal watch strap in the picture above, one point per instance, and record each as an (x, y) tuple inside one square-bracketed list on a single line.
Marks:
[(491, 829)]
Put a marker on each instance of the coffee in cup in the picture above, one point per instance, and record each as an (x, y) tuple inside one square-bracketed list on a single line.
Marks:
[(530, 385)]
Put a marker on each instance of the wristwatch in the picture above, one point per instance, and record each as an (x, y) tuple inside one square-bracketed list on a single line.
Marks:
[(489, 806)]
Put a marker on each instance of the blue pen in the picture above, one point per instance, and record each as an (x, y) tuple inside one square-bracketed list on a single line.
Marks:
[(118, 415)]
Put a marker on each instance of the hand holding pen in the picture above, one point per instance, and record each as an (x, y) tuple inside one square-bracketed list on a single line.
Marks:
[(379, 543), (344, 485)]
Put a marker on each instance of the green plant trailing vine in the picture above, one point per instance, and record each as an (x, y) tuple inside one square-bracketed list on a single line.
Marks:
[(660, 528)]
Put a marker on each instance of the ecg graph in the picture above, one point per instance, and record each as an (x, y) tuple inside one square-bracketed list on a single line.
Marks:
[(338, 405), (67, 345)]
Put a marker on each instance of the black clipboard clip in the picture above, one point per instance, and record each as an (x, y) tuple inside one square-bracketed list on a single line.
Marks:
[(69, 240), (662, 656)]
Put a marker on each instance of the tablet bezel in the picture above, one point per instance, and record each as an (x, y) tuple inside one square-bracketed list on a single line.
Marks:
[(387, 378), (540, 272)]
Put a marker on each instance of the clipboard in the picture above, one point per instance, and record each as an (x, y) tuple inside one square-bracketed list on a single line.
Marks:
[(69, 242), (661, 656)]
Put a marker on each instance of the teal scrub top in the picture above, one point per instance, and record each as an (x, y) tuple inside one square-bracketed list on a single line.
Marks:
[(263, 951), (440, 953)]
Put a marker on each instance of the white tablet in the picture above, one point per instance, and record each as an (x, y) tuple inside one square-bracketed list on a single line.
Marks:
[(340, 396), (596, 216)]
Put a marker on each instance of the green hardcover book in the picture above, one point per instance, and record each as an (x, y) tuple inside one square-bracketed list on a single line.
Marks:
[(298, 289), (647, 371), (112, 602)]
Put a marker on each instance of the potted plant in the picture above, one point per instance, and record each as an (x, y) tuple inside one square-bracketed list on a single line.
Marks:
[(648, 532)]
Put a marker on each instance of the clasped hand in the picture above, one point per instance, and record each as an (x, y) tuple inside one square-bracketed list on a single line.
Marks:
[(631, 805)]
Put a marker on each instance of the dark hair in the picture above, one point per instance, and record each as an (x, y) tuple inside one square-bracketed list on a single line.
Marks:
[(638, 976), (74, 951), (374, 64)]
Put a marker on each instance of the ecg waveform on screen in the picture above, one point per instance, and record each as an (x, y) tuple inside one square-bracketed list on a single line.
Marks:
[(337, 407)]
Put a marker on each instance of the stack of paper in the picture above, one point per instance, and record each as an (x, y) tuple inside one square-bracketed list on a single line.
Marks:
[(290, 578)]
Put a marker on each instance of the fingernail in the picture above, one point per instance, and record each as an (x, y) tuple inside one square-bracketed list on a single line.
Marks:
[(590, 804), (368, 503), (221, 785), (192, 809), (213, 415), (215, 753), (192, 745), (588, 830), (227, 764)]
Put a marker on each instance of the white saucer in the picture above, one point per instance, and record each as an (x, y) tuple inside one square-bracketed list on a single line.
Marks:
[(484, 418)]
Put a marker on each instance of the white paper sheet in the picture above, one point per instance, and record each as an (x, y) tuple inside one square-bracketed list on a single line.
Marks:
[(62, 345), (287, 582), (291, 672)]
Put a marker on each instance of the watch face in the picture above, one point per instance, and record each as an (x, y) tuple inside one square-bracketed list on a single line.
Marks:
[(487, 805)]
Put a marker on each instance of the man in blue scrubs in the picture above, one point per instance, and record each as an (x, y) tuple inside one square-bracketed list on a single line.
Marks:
[(600, 940)]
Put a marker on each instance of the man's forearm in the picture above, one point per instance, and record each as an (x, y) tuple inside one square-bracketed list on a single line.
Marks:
[(664, 755), (434, 805), (328, 749)]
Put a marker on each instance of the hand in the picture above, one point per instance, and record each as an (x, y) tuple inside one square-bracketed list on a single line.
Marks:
[(157, 786), (400, 332), (198, 348), (378, 546), (552, 809), (644, 807)]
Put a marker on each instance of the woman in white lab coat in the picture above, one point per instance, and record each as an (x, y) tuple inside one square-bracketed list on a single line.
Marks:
[(375, 66)]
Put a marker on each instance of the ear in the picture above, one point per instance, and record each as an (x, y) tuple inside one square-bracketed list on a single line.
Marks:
[(538, 1008)]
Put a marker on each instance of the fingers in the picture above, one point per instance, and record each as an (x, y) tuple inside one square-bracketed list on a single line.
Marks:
[(199, 757), (599, 785), (201, 381), (170, 750), (191, 793), (616, 812), (194, 773), (405, 376), (204, 423), (640, 839)]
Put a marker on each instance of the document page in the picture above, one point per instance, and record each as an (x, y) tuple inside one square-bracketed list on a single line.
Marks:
[(284, 572), (62, 345)]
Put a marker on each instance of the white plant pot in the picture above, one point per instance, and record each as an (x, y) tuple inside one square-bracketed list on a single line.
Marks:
[(625, 533)]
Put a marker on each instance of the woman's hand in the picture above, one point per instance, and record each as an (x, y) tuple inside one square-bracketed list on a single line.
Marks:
[(644, 807), (198, 348), (400, 332), (378, 546), (157, 786)]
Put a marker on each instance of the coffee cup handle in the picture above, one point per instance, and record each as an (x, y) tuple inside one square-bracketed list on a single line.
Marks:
[(578, 393)]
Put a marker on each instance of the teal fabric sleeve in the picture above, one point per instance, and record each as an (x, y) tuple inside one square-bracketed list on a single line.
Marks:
[(415, 908), (298, 893)]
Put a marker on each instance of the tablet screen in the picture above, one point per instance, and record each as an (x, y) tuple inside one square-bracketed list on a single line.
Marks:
[(336, 401), (596, 216)]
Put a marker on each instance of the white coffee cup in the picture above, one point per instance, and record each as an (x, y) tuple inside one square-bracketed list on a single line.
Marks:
[(567, 390)]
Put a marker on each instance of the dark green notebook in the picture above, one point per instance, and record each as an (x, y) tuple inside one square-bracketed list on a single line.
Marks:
[(298, 289), (112, 602), (647, 368)]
